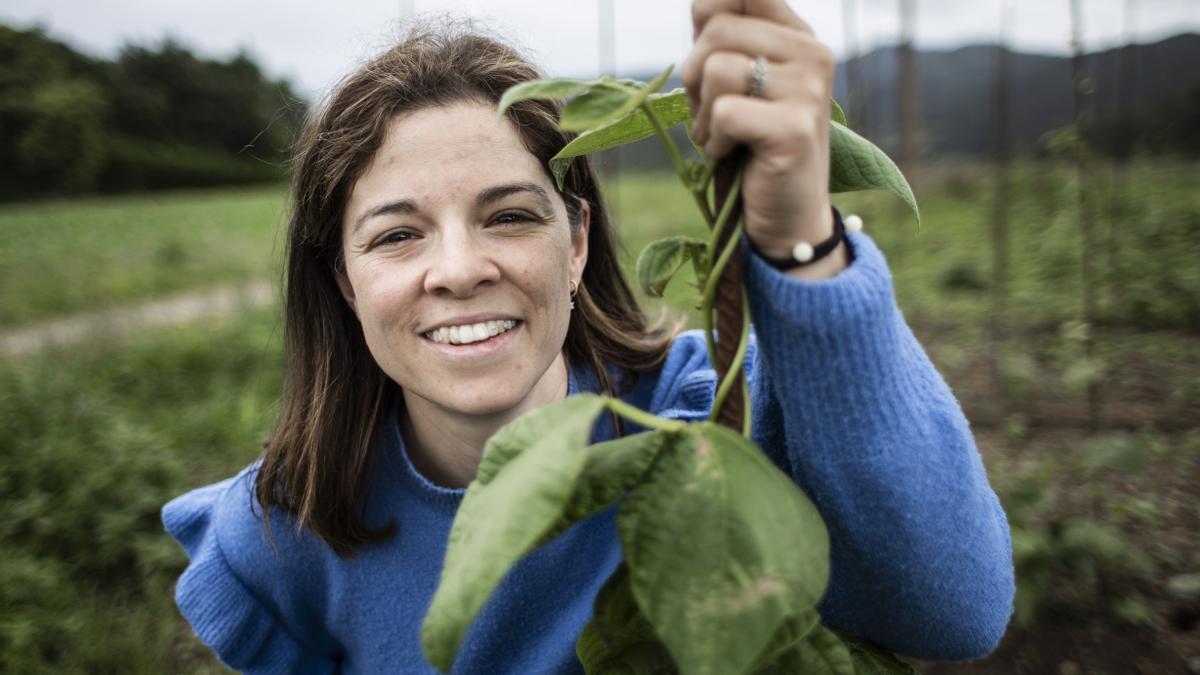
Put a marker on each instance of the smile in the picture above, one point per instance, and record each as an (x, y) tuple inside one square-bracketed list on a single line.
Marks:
[(467, 334)]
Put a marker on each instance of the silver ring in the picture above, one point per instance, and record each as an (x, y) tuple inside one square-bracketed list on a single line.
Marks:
[(758, 77)]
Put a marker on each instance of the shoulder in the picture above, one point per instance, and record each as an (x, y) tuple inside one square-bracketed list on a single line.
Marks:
[(206, 519), (225, 519), (241, 590)]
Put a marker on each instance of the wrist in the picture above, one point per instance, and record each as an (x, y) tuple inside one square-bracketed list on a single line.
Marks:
[(803, 253), (819, 227)]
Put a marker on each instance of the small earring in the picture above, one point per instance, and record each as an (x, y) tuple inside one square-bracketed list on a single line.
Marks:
[(574, 290)]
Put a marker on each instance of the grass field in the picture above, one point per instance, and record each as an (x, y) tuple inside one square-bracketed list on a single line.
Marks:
[(95, 437), (63, 257)]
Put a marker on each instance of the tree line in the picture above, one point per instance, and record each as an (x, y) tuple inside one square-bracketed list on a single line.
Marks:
[(154, 117)]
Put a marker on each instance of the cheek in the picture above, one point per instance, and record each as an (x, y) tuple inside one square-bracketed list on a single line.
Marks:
[(383, 300)]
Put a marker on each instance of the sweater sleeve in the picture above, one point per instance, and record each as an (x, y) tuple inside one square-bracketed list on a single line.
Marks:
[(921, 554), (223, 612)]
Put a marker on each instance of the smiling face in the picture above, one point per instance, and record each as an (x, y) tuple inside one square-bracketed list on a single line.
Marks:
[(458, 262)]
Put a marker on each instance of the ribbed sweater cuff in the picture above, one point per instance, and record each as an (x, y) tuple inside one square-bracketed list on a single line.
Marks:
[(862, 292)]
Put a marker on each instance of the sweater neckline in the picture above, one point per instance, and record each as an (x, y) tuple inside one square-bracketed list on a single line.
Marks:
[(441, 498)]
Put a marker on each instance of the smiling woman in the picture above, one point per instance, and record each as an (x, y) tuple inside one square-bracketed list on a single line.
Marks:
[(452, 227), (440, 285)]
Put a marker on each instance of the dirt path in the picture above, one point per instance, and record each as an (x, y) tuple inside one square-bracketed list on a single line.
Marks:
[(116, 323)]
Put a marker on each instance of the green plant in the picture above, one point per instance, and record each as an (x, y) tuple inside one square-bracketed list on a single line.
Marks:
[(93, 440), (737, 598), (1069, 555)]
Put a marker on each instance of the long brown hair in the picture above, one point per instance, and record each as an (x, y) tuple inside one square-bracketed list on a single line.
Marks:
[(317, 462)]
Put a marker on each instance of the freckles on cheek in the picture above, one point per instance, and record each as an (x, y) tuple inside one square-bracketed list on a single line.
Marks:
[(382, 310)]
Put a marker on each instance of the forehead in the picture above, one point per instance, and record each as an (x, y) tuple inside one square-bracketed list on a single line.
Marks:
[(463, 146)]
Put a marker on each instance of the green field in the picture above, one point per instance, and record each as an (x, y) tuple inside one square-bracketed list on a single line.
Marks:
[(95, 437), (60, 257)]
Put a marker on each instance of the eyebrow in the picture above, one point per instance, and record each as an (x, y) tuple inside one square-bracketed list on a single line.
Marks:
[(484, 198)]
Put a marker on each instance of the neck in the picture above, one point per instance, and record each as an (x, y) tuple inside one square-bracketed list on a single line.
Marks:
[(446, 445)]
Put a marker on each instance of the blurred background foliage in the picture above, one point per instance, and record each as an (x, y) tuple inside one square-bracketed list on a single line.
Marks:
[(155, 117)]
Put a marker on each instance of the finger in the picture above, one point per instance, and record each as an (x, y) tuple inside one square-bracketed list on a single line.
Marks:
[(767, 127), (808, 81), (751, 36), (776, 11), (725, 73)]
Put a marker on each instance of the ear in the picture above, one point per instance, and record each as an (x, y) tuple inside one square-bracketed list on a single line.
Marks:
[(579, 240), (343, 282)]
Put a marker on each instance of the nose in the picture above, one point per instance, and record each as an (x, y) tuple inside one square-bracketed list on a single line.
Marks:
[(461, 264)]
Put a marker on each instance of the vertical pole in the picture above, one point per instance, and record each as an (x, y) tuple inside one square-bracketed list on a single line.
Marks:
[(1082, 87), (1000, 237), (606, 44), (908, 95), (1118, 211), (909, 89), (854, 103)]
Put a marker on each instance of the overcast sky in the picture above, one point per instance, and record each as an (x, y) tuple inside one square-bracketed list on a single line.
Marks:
[(313, 43)]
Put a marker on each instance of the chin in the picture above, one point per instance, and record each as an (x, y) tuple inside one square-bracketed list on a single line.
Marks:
[(484, 399)]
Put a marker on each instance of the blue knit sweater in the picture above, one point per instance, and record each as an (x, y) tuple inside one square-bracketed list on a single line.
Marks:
[(845, 401)]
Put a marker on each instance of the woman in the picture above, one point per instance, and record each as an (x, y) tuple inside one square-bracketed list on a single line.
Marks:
[(439, 286)]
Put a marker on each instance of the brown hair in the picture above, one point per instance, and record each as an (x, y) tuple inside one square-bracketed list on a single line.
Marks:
[(317, 462)]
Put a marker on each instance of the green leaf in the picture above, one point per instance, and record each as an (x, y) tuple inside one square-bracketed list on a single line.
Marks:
[(790, 632), (671, 108), (662, 259), (595, 107), (526, 478), (618, 639), (871, 660), (552, 88), (607, 102), (856, 164), (722, 549), (837, 114), (610, 470), (820, 652)]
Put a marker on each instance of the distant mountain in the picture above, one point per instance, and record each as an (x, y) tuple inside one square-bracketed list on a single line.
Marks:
[(1161, 88), (957, 90)]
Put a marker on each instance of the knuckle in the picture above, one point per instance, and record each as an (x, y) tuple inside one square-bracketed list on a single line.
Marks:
[(720, 73), (719, 28), (816, 92), (688, 73), (724, 111), (802, 128), (824, 58)]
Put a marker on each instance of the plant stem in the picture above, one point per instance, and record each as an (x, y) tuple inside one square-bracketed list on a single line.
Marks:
[(723, 217), (706, 305), (643, 418), (680, 167), (735, 369)]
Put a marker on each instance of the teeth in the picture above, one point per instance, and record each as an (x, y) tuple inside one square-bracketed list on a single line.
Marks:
[(476, 332)]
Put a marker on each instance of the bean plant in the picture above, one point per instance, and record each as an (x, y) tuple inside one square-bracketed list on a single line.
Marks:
[(738, 593)]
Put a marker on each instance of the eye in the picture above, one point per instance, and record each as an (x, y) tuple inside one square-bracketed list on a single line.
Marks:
[(395, 237), (512, 218)]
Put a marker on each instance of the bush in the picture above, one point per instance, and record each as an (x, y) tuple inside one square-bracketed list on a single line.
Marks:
[(63, 145), (92, 444), (143, 165)]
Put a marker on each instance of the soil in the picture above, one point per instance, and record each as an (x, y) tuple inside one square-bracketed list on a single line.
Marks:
[(1076, 632)]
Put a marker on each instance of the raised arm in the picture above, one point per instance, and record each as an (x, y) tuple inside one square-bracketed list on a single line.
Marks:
[(847, 400)]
